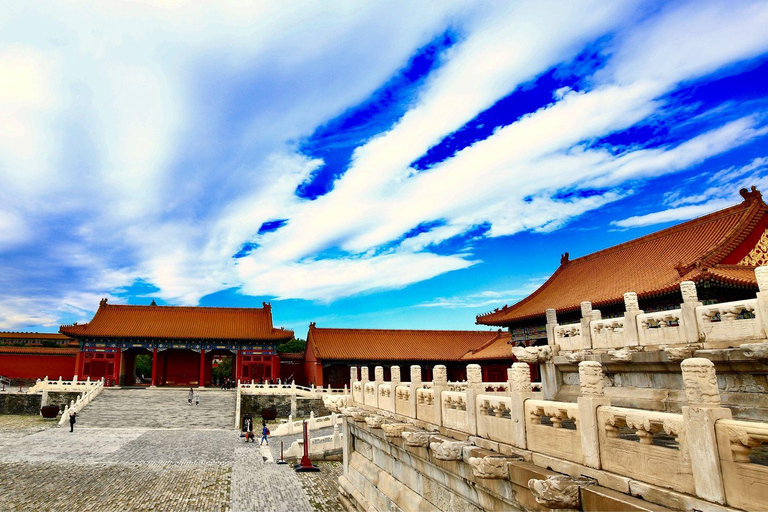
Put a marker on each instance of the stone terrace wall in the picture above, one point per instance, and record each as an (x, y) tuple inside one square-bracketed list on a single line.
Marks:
[(23, 403), (386, 473), (19, 403), (251, 405)]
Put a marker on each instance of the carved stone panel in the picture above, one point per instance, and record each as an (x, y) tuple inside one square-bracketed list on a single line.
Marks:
[(489, 467), (448, 450), (700, 382), (557, 492)]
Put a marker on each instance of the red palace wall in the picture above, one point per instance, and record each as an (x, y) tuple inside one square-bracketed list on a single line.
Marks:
[(36, 366)]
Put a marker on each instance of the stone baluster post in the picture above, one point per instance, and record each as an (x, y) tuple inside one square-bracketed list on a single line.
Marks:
[(44, 399), (415, 385), (631, 311), (378, 374), (519, 390), (394, 379), (761, 273), (592, 397), (551, 378), (312, 423), (439, 384), (474, 387), (352, 380), (688, 320), (551, 324), (699, 418), (364, 379), (586, 331)]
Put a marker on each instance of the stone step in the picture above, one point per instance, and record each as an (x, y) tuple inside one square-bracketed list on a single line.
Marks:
[(159, 408)]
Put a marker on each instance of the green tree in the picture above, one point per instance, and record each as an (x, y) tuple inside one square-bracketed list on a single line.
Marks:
[(294, 346), (144, 365)]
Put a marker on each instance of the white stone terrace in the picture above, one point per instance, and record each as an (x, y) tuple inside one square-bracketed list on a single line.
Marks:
[(699, 459)]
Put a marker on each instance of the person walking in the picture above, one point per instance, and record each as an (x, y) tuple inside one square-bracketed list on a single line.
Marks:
[(72, 420), (197, 398), (191, 395), (264, 434)]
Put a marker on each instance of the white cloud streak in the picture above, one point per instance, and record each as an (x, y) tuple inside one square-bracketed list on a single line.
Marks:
[(113, 145)]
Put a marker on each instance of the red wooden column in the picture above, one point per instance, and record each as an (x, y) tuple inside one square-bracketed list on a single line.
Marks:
[(118, 358), (154, 367), (238, 365), (79, 364), (275, 367), (201, 380)]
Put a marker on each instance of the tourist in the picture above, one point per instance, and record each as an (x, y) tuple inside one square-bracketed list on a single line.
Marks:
[(249, 432), (264, 434), (72, 420), (197, 398), (191, 395)]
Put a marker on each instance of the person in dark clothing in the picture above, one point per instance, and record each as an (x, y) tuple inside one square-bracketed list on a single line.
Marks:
[(72, 420)]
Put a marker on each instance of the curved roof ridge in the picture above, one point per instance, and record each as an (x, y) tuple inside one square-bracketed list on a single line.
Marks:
[(739, 208), (463, 331), (650, 264)]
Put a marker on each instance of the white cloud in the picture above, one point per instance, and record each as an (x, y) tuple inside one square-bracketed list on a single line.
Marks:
[(672, 215), (150, 141), (485, 298)]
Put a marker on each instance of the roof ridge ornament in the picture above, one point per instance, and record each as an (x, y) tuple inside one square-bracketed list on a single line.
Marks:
[(752, 195), (564, 258), (103, 302)]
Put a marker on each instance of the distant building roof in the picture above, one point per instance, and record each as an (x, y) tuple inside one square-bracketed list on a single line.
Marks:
[(40, 351), (724, 246), (499, 348), (179, 323), (397, 344), (54, 336)]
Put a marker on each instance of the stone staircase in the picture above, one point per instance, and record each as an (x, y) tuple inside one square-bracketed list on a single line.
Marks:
[(159, 408)]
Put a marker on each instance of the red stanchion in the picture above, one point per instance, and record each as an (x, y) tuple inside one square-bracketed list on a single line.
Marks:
[(306, 464), (282, 459)]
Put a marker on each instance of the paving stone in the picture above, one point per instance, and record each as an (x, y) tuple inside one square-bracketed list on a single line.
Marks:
[(150, 464)]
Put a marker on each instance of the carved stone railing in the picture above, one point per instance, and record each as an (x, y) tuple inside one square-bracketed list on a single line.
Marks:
[(494, 418), (568, 336), (701, 452), (454, 410), (661, 328), (369, 392), (403, 400), (608, 333), (745, 476), (75, 406), (314, 423), (552, 428), (357, 391), (729, 321), (385, 397), (646, 445), (74, 385), (255, 388), (691, 325), (426, 410)]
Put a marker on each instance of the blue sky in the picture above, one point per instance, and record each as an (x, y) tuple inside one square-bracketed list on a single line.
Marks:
[(378, 164)]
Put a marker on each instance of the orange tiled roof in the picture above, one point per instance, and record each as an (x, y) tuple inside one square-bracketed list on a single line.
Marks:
[(55, 336), (395, 345), (40, 351), (500, 348), (179, 323), (654, 264)]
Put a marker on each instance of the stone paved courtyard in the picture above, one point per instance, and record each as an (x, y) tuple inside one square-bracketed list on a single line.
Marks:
[(45, 468)]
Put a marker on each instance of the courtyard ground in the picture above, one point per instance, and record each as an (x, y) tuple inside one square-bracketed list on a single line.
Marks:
[(44, 468)]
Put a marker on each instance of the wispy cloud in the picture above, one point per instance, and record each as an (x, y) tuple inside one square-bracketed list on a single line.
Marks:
[(485, 298), (151, 142)]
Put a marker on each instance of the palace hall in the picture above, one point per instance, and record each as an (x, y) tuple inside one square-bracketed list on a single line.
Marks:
[(719, 252), (184, 342)]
